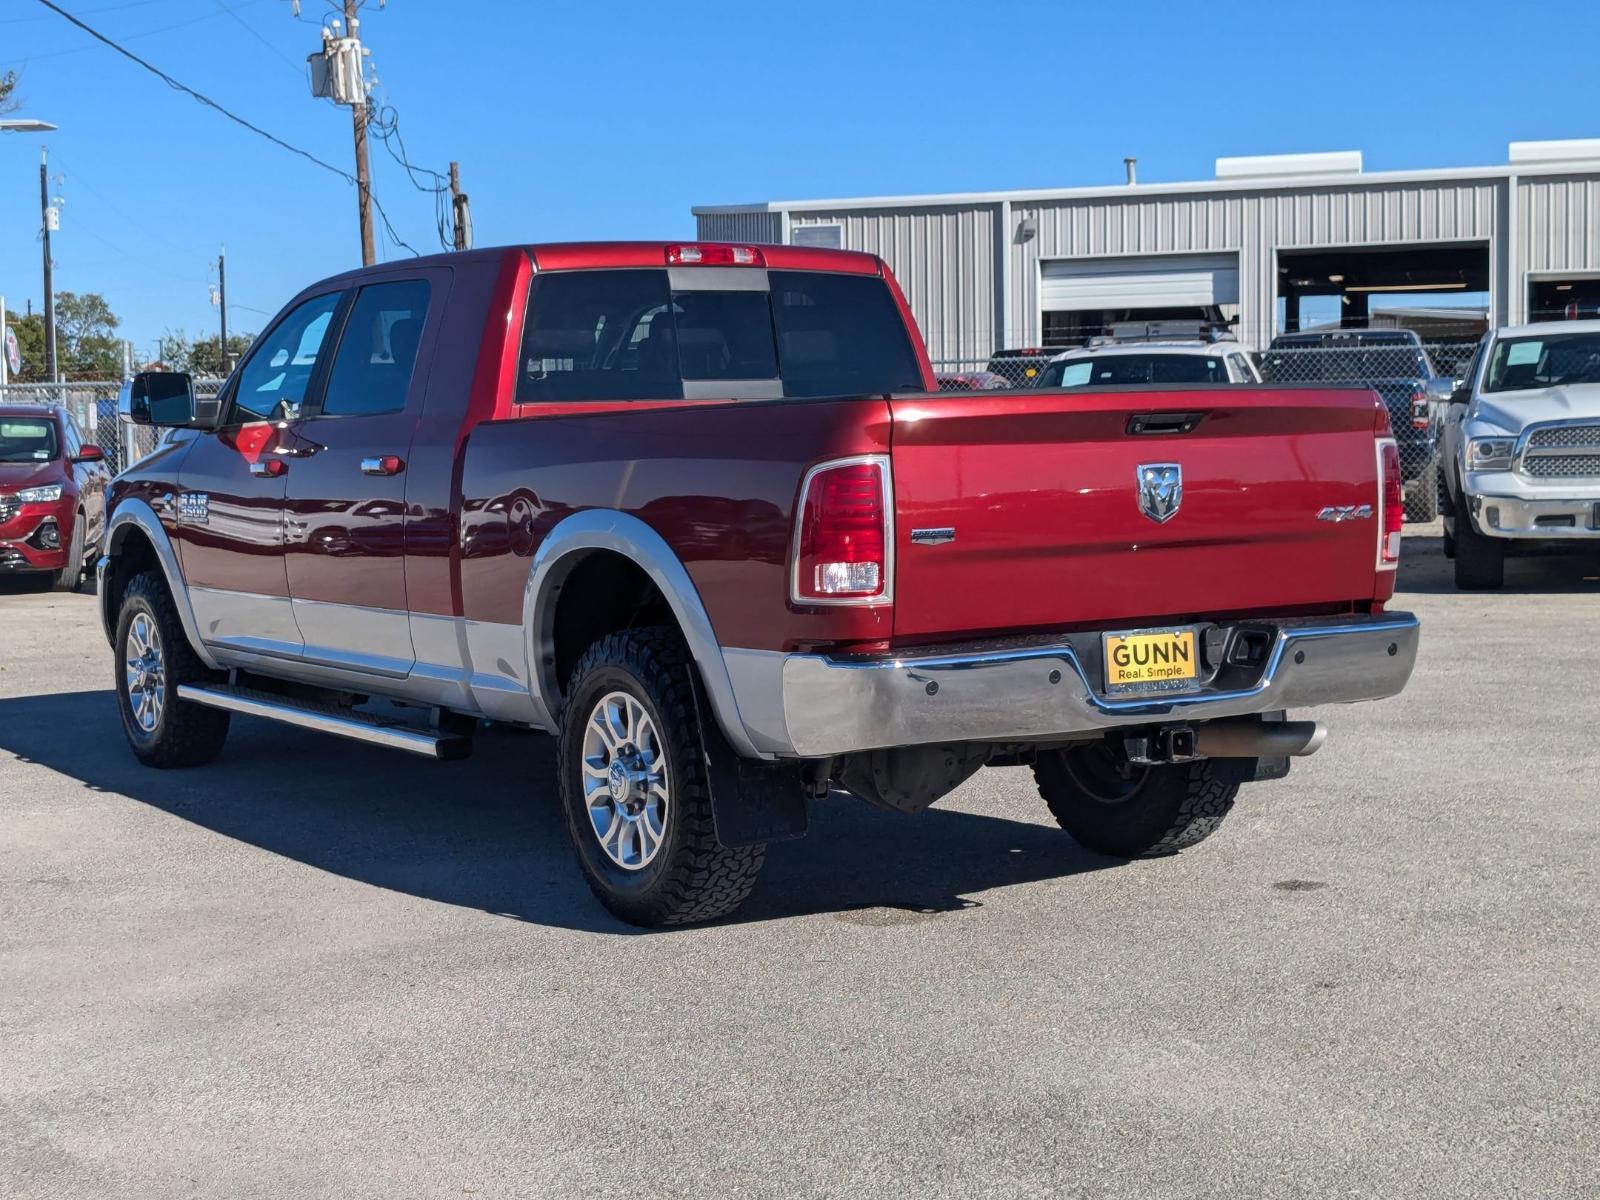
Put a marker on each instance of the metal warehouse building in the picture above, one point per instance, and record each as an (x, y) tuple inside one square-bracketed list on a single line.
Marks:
[(1256, 244)]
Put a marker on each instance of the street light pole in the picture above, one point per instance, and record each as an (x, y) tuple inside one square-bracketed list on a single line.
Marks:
[(49, 280)]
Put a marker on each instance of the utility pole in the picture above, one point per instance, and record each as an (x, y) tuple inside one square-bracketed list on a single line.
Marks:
[(358, 114), (49, 269), (460, 210), (222, 305)]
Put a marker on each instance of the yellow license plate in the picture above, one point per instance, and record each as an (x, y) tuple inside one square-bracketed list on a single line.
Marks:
[(1163, 658)]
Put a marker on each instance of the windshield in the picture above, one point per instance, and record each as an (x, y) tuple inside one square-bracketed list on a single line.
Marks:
[(31, 440), (1132, 369), (1541, 362)]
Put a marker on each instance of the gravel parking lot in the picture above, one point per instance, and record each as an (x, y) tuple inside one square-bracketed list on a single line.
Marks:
[(314, 968)]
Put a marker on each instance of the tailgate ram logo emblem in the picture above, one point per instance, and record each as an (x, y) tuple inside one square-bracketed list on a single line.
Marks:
[(1160, 490)]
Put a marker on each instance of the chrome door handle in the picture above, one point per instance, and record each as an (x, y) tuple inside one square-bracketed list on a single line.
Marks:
[(383, 464)]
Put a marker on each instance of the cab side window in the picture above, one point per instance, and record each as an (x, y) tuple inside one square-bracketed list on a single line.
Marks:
[(599, 335), (281, 363), (378, 350)]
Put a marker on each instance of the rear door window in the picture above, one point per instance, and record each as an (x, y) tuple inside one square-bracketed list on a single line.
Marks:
[(597, 336)]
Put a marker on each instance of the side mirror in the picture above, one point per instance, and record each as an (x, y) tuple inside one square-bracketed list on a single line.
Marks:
[(1441, 390), (89, 454), (158, 398)]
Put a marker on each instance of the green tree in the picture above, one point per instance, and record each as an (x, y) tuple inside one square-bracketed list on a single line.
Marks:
[(87, 345), (8, 87), (30, 344), (205, 356)]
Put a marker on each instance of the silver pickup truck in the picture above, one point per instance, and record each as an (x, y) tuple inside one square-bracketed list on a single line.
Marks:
[(1521, 449)]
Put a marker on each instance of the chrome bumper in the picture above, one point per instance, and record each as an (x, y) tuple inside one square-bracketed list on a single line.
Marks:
[(1043, 692), (1541, 519)]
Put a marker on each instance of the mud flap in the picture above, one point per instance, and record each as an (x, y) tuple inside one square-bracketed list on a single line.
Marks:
[(752, 802)]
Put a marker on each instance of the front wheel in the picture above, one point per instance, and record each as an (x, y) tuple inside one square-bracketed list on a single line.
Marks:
[(1119, 808), (635, 790), (153, 658), (69, 577), (1480, 561)]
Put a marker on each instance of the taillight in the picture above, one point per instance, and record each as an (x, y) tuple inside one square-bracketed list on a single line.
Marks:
[(1419, 410), (1392, 503), (715, 256), (844, 534)]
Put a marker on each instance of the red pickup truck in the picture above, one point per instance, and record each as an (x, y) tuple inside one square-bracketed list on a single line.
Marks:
[(699, 511)]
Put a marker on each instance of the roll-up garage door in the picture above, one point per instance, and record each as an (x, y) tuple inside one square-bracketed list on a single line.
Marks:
[(1149, 281)]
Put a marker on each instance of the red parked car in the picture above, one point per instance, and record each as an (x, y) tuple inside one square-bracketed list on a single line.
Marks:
[(52, 495), (699, 511)]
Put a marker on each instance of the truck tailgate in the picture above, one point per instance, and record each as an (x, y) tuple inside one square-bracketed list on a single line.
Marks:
[(1041, 491)]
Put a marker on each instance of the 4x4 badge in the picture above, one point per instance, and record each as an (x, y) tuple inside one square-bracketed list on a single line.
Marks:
[(1160, 490)]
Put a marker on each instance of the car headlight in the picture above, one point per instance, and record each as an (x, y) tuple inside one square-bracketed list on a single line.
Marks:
[(1490, 454), (40, 495)]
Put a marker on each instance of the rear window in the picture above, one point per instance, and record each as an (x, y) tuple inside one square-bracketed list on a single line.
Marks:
[(840, 335), (623, 335), (1113, 370)]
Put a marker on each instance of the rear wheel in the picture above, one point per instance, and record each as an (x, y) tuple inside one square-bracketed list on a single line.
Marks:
[(1422, 504), (1480, 561), (1119, 808), (69, 577), (635, 789), (153, 658)]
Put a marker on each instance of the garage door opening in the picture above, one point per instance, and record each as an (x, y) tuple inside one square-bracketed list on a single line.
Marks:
[(1573, 298), (1082, 298), (1440, 292)]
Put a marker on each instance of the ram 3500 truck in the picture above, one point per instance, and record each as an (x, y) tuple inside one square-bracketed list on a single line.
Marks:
[(697, 510)]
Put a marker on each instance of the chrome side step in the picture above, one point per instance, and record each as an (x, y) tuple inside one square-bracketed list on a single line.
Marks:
[(359, 727)]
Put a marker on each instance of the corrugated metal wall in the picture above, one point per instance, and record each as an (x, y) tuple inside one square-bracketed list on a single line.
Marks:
[(949, 257), (1254, 225), (1558, 219), (740, 227), (944, 260)]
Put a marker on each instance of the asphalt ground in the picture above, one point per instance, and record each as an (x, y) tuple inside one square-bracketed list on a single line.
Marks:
[(318, 969)]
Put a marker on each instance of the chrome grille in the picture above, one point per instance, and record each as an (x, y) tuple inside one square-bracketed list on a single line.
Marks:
[(1562, 466), (1565, 437), (8, 508), (1562, 451)]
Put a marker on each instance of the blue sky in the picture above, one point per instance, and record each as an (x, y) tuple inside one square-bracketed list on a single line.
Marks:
[(611, 119)]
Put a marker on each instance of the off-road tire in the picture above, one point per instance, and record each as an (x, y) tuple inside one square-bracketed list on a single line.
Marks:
[(185, 734), (1480, 561), (693, 877), (70, 577), (1165, 809), (1422, 504)]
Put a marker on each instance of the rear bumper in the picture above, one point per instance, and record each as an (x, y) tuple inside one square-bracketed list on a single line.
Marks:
[(814, 706)]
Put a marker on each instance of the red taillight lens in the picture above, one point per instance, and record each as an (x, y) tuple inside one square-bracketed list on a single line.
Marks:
[(715, 256), (842, 549), (1392, 511), (1419, 410)]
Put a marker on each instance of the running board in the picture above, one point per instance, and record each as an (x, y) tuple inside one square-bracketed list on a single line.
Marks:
[(358, 727)]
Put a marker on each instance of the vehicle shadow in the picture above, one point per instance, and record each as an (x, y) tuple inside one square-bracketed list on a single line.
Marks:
[(487, 833), (1424, 570)]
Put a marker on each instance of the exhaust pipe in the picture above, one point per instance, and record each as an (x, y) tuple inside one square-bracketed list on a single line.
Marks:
[(1259, 739)]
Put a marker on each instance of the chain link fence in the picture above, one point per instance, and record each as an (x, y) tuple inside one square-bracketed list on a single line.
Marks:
[(92, 405), (1397, 365)]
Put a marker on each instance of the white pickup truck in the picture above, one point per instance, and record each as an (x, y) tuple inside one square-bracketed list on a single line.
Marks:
[(1521, 449)]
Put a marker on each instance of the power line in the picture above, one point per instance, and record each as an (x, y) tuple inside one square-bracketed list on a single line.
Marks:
[(131, 37), (298, 68), (208, 102)]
